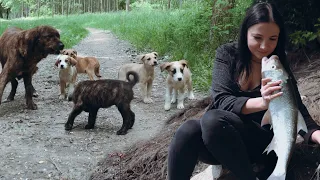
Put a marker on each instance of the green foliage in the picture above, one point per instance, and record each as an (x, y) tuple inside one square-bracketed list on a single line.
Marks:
[(13, 4), (72, 31), (300, 18), (299, 15), (301, 38), (142, 5)]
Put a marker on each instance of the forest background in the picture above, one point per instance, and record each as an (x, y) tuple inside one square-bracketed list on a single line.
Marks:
[(176, 29)]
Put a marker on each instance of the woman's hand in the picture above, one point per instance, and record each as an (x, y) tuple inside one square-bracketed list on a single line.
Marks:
[(267, 89), (315, 137)]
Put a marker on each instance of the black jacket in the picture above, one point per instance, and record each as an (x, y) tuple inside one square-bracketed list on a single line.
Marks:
[(227, 95)]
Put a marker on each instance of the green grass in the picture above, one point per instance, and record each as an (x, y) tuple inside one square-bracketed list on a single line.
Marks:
[(71, 31), (178, 34)]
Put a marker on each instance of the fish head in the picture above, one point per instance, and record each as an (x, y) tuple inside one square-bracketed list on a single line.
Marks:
[(272, 68), (271, 64)]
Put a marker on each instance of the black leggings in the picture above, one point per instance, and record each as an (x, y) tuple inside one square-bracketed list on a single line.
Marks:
[(220, 137)]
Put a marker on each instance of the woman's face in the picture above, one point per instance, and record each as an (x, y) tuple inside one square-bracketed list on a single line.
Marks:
[(262, 39)]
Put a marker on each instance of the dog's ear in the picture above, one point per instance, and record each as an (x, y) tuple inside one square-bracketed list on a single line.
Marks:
[(142, 58), (73, 62), (155, 53), (184, 63), (57, 62), (27, 41), (165, 66), (63, 51), (75, 52)]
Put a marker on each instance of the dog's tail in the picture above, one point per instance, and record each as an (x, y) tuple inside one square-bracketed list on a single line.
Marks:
[(135, 78), (97, 70)]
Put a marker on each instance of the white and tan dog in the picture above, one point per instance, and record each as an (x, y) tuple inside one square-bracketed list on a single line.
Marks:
[(178, 79), (67, 75), (87, 65), (145, 72)]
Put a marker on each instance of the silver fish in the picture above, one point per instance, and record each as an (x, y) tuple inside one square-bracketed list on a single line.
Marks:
[(284, 115)]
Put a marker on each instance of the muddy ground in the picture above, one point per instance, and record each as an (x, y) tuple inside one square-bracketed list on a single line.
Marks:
[(34, 144)]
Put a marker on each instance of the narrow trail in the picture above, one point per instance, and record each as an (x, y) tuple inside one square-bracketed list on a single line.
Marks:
[(34, 144)]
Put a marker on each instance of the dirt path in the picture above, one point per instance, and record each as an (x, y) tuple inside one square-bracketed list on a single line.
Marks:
[(34, 144)]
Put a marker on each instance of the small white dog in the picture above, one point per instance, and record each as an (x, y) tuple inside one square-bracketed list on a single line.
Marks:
[(145, 72), (178, 79), (67, 75)]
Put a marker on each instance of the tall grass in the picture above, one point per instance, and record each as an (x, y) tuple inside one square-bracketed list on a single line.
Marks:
[(177, 34)]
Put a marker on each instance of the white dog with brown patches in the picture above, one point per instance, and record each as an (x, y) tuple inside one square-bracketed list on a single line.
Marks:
[(88, 65), (145, 72), (67, 75), (178, 79)]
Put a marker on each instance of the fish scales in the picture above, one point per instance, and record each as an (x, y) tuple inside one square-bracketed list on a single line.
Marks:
[(285, 117)]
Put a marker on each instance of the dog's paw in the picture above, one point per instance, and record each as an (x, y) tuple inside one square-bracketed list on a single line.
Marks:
[(35, 94), (191, 97), (70, 97), (180, 106), (68, 127), (173, 100), (148, 100), (32, 106), (89, 126), (61, 96), (10, 97), (121, 132), (167, 107)]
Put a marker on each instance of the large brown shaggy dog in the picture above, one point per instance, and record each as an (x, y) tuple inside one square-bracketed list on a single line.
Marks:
[(20, 52), (89, 96)]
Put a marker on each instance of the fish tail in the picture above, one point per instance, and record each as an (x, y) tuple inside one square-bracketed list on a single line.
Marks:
[(275, 177), (271, 146), (279, 172)]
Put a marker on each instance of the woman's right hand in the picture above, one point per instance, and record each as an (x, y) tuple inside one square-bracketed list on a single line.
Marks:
[(267, 89)]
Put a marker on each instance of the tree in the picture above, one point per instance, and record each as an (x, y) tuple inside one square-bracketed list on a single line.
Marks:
[(127, 5)]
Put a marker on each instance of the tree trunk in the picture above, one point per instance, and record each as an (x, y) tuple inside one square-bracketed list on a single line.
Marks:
[(127, 5), (67, 8), (117, 5), (8, 11), (62, 9), (91, 6), (22, 10), (83, 6), (1, 10), (38, 8), (52, 8), (169, 4), (101, 6)]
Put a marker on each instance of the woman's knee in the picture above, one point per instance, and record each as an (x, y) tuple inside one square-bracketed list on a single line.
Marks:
[(215, 123), (189, 129), (217, 118)]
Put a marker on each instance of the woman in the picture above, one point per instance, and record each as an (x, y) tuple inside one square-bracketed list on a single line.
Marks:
[(230, 132)]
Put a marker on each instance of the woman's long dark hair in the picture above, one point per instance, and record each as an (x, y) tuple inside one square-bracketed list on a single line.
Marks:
[(260, 13)]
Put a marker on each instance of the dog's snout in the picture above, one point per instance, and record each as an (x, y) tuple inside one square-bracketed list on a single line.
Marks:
[(155, 63), (179, 79), (61, 46), (61, 66)]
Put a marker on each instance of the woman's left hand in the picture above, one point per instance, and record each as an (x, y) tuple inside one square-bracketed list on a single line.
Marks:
[(315, 137)]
